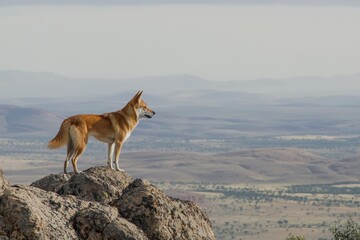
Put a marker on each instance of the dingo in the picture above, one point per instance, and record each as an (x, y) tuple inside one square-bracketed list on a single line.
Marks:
[(113, 128)]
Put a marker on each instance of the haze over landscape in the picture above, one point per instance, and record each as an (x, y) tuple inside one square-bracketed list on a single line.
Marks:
[(230, 41), (251, 99)]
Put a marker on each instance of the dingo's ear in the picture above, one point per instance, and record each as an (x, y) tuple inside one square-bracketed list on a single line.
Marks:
[(137, 96)]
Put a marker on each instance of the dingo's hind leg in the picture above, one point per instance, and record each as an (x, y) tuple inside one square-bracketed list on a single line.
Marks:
[(70, 152), (79, 139), (79, 150)]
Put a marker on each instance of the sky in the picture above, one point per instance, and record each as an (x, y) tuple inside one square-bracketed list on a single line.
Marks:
[(231, 40)]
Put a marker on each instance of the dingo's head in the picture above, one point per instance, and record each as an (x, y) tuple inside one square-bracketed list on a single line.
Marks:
[(141, 108)]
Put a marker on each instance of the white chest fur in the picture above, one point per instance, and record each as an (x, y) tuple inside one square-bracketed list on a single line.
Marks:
[(128, 134)]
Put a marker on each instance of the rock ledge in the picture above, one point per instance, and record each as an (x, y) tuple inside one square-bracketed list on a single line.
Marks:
[(97, 204)]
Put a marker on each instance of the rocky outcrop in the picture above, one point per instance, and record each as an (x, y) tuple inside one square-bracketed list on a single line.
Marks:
[(31, 213), (100, 184), (162, 217), (97, 204)]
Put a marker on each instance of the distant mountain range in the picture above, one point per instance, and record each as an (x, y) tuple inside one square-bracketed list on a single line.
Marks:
[(187, 106), (18, 84)]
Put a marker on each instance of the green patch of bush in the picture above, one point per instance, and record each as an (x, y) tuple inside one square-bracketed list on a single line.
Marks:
[(350, 230)]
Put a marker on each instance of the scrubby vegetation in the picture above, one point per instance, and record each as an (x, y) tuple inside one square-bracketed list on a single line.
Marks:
[(349, 230)]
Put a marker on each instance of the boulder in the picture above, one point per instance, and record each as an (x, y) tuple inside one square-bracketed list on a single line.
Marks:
[(100, 184), (52, 182), (99, 223), (31, 213), (162, 217)]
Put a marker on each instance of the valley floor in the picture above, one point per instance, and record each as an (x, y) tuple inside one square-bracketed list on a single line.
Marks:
[(281, 186), (247, 212)]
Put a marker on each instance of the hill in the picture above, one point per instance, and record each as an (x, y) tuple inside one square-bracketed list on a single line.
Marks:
[(16, 120), (347, 166), (265, 165), (254, 165)]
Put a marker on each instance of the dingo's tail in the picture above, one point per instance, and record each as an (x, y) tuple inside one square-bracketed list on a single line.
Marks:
[(62, 137)]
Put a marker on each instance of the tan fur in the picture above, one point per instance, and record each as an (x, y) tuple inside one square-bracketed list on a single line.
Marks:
[(113, 128)]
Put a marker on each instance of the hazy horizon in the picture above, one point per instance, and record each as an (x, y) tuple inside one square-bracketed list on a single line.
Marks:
[(213, 41)]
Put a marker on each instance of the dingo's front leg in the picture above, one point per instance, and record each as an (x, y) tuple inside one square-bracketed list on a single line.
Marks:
[(118, 146), (110, 155)]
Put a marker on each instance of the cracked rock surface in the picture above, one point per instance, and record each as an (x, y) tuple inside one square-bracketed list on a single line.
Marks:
[(100, 184), (163, 217), (99, 203)]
